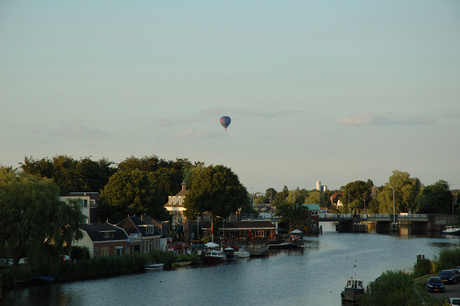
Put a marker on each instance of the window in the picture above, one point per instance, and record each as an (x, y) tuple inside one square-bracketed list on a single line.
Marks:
[(108, 234), (118, 250), (105, 251), (85, 203), (95, 252)]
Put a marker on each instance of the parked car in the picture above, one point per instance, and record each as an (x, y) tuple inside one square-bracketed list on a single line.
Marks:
[(65, 258), (454, 301), (448, 276), (457, 273), (435, 284)]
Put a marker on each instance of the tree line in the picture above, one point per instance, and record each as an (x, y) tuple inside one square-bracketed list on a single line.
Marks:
[(410, 196)]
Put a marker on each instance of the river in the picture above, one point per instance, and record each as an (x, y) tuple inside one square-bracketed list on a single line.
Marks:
[(313, 276)]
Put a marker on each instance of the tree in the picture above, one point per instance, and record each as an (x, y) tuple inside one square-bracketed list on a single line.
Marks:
[(314, 197), (270, 194), (217, 190), (34, 222), (130, 193), (167, 176), (435, 199), (405, 191), (354, 194), (70, 174), (295, 214)]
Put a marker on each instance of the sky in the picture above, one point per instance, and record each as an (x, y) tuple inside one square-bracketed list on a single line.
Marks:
[(335, 91)]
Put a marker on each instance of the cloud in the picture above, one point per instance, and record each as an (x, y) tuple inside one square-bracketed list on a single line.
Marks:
[(76, 130), (192, 134), (369, 119), (164, 122), (360, 119)]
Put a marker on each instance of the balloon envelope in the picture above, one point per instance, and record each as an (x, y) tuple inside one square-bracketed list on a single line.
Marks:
[(225, 121)]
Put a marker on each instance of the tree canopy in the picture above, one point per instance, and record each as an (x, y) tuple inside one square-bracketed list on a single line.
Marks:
[(217, 190), (295, 214), (69, 174), (34, 222), (130, 193)]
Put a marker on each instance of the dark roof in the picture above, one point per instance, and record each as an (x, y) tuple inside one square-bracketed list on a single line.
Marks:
[(134, 225), (95, 231)]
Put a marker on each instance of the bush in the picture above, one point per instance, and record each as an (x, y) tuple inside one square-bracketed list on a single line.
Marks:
[(449, 258), (393, 288), (423, 267)]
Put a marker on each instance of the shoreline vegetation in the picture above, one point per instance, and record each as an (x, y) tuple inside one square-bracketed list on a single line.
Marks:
[(84, 269), (402, 288)]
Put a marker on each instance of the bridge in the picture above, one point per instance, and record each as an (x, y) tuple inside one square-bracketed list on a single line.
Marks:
[(351, 222)]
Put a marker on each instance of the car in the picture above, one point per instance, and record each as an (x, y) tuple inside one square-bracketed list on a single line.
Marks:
[(435, 284), (448, 276), (454, 301), (65, 258), (457, 273)]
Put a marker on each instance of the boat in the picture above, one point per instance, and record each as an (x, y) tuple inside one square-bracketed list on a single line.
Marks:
[(452, 230), (279, 244), (230, 253), (181, 263), (42, 280), (153, 266), (242, 253), (353, 288), (214, 256)]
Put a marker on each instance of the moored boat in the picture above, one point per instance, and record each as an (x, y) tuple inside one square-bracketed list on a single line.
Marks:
[(214, 256), (242, 253), (153, 266), (230, 253), (181, 263), (452, 230), (279, 244), (42, 280), (353, 288)]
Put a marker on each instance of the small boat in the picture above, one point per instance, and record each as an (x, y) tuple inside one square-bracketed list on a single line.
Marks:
[(353, 288), (153, 266), (181, 263), (229, 252), (214, 256), (42, 280), (242, 253), (452, 230), (279, 244)]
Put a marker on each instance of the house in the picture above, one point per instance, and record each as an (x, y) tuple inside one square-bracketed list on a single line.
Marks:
[(141, 230), (104, 239), (87, 201), (175, 207)]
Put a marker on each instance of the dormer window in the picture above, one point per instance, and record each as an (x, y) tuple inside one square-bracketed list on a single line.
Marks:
[(108, 234)]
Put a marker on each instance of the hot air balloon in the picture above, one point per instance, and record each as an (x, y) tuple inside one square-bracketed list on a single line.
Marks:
[(225, 121)]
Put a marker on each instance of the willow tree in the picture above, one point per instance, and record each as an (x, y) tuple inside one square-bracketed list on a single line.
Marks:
[(217, 190), (34, 222)]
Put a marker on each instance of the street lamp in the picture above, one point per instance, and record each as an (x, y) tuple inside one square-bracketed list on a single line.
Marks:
[(394, 213), (223, 229)]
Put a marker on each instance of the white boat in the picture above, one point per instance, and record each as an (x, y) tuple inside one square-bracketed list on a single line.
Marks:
[(214, 256), (353, 288), (452, 230), (153, 266), (242, 253)]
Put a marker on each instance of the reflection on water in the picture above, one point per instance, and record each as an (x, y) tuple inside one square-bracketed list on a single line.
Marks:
[(314, 275)]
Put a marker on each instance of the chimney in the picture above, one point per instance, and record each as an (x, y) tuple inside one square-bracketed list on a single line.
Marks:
[(184, 186)]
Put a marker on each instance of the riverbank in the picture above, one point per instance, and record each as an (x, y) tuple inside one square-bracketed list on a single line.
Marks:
[(87, 269)]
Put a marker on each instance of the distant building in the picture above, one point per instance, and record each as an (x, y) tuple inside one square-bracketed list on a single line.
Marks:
[(320, 187)]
